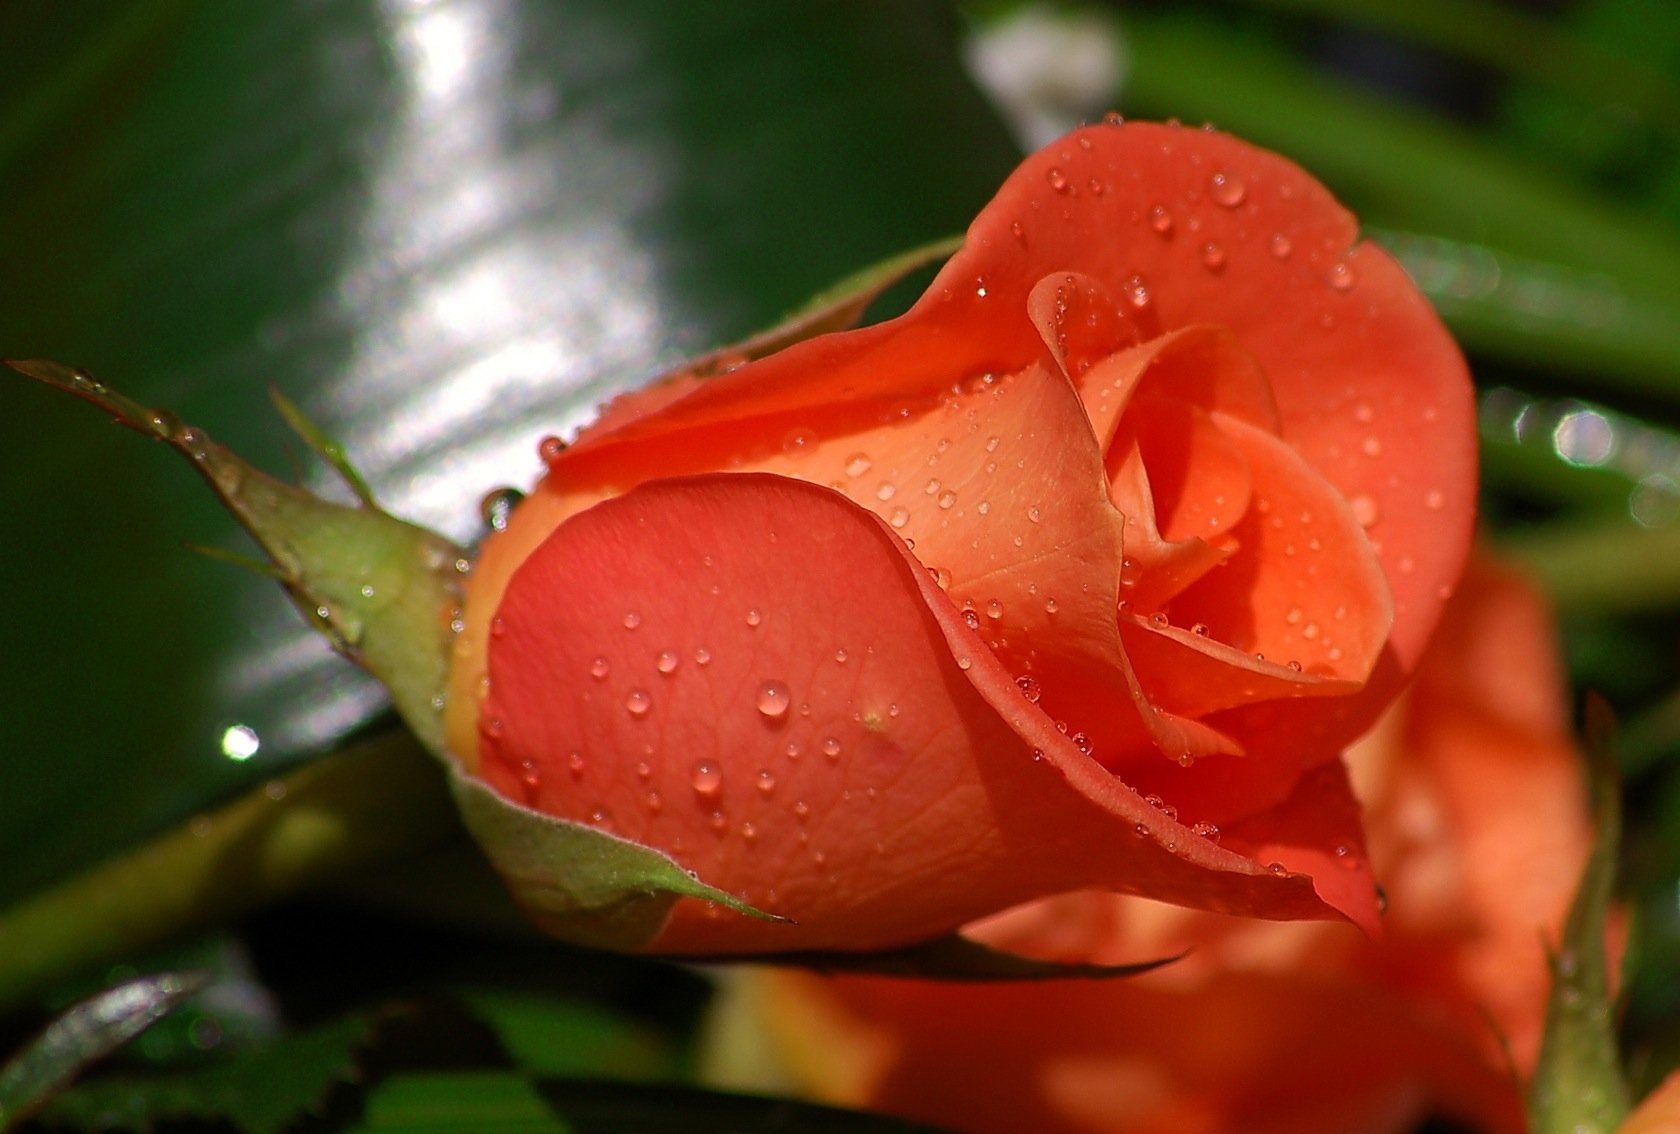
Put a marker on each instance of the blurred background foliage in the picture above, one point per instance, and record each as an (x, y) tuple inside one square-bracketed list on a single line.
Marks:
[(447, 228)]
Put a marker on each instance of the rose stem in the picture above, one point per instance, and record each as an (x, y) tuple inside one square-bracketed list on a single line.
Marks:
[(373, 802)]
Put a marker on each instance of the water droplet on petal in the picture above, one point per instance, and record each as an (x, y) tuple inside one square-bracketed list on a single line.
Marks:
[(702, 656), (1029, 687), (1057, 179), (1160, 220), (994, 609), (831, 747), (858, 463), (754, 617), (766, 781), (1371, 447), (799, 442), (707, 778), (1434, 501), (1213, 256), (1341, 277), (632, 620), (899, 517), (773, 699), (666, 662), (1281, 246), (886, 491), (1227, 190), (1365, 510), (638, 702)]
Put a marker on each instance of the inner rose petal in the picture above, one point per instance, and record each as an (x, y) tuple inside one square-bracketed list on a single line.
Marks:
[(1305, 585)]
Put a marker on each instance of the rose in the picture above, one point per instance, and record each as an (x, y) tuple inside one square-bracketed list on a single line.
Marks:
[(1079, 574), (1478, 830)]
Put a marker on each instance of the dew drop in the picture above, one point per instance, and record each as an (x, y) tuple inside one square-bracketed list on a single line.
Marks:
[(1292, 615), (799, 443), (1161, 220), (1277, 868), (766, 781), (1434, 501), (575, 762), (801, 809), (899, 517), (886, 491), (947, 498), (498, 506), (702, 656), (858, 463), (1057, 179), (964, 662), (992, 443), (1158, 619), (666, 662), (1083, 743), (831, 747), (1227, 190), (550, 448), (1200, 630), (1136, 291), (994, 609), (1051, 606), (1034, 514), (1364, 414), (1029, 687), (753, 616), (1364, 510), (840, 656), (1341, 277), (707, 778), (1213, 256), (632, 620), (773, 699), (971, 618), (931, 486), (655, 801), (1208, 831), (1281, 246), (638, 702), (1371, 447)]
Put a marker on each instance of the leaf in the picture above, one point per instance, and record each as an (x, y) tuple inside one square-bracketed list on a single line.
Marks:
[(579, 883), (549, 1035), (263, 1090), (1578, 1087), (620, 1108), (381, 590), (85, 1034), (952, 958)]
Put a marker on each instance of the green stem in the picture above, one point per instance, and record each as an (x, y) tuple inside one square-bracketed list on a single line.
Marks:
[(368, 804)]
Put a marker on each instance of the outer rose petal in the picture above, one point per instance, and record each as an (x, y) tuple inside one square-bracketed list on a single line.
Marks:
[(931, 792)]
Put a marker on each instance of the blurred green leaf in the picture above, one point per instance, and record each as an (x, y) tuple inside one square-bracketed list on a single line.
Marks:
[(506, 1103), (442, 231), (86, 1034), (263, 1091), (553, 1036)]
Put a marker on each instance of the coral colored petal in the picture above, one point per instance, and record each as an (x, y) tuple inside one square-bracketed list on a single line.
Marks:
[(1202, 366), (1305, 586), (1317, 831), (931, 793), (1182, 672), (1198, 477), (1080, 321)]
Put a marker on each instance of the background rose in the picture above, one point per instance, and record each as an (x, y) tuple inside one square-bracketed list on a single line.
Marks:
[(1478, 831), (1193, 473)]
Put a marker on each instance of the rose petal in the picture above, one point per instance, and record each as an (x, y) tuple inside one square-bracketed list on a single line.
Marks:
[(950, 795), (1304, 585)]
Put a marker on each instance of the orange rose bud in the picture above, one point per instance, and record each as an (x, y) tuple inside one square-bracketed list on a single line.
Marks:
[(1079, 574)]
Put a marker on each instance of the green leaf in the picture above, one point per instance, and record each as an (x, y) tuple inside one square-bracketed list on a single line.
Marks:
[(1578, 1087), (619, 1108), (502, 1102), (579, 883), (379, 588), (85, 1034), (264, 1090), (952, 958), (549, 1035)]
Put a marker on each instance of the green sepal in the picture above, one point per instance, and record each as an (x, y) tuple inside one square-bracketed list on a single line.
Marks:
[(84, 1034), (1578, 1087), (578, 883), (835, 308), (383, 591)]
